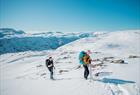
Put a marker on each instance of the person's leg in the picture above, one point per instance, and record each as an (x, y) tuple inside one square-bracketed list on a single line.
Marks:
[(85, 71), (51, 73)]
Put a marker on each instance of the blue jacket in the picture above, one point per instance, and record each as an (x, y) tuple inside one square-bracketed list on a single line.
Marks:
[(81, 55)]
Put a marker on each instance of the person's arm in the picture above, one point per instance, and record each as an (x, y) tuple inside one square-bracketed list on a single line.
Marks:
[(50, 65), (81, 57), (46, 63)]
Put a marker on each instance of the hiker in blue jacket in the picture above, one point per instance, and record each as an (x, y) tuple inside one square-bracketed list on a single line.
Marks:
[(85, 60)]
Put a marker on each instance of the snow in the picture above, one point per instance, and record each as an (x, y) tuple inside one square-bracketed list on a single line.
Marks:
[(24, 73)]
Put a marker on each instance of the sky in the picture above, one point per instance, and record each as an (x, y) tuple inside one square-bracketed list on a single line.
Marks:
[(70, 15)]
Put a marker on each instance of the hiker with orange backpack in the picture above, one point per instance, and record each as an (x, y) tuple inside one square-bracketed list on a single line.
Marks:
[(85, 60)]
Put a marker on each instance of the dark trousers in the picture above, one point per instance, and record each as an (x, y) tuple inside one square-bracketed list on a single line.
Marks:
[(86, 71), (51, 72)]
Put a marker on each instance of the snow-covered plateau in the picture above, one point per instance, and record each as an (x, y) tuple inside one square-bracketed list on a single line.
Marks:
[(115, 69)]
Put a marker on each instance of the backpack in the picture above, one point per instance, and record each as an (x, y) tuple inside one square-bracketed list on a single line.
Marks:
[(86, 59), (47, 62)]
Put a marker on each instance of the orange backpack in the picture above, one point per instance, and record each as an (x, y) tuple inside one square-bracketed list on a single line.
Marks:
[(86, 59)]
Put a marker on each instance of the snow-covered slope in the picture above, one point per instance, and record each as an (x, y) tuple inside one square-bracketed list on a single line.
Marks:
[(115, 68), (18, 41)]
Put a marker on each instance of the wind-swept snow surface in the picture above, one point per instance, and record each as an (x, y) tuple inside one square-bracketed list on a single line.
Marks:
[(115, 69)]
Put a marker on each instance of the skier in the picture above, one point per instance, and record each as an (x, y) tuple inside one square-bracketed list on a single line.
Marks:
[(50, 66), (85, 60)]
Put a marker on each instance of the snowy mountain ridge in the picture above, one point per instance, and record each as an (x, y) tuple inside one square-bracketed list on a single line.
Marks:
[(9, 33), (18, 41)]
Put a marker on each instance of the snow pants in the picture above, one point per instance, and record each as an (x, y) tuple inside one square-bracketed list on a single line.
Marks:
[(51, 72), (86, 71)]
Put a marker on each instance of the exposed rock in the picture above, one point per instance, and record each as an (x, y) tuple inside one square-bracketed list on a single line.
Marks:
[(39, 65), (61, 71), (43, 74), (133, 56), (118, 61), (108, 58), (95, 65)]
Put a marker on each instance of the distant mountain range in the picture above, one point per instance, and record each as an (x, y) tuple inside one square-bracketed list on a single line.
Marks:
[(12, 40)]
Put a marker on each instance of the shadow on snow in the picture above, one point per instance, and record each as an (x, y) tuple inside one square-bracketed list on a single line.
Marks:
[(115, 81)]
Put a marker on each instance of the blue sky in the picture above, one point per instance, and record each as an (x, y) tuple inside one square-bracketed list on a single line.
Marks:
[(70, 15)]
